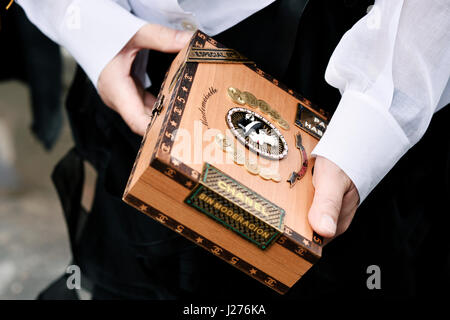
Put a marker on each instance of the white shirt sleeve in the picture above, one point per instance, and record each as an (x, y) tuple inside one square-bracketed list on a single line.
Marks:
[(393, 70), (93, 31)]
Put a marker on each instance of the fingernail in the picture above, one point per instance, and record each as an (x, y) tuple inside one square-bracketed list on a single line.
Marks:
[(327, 224), (183, 37)]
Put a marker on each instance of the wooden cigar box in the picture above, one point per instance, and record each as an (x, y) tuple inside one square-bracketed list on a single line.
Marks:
[(226, 163)]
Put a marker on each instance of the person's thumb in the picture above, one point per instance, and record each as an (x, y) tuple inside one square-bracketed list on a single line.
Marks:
[(329, 192), (160, 38)]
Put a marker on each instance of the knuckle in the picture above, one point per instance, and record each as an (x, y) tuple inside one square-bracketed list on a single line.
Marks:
[(342, 227), (329, 205), (133, 126), (165, 37)]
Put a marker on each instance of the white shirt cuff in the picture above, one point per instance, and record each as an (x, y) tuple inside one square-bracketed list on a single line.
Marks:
[(95, 31), (364, 140)]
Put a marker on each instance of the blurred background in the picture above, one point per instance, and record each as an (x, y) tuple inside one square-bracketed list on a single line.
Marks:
[(34, 135)]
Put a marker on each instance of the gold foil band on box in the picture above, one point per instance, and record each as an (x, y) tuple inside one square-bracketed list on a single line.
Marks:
[(216, 56), (237, 207)]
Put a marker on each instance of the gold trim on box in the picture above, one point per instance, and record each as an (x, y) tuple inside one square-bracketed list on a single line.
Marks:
[(237, 207), (220, 55)]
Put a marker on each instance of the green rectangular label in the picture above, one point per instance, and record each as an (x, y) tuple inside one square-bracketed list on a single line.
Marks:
[(237, 207)]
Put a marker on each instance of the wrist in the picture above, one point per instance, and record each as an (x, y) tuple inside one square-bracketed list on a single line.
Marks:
[(363, 140)]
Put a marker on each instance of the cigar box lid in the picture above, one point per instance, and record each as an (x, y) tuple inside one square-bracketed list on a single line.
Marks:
[(202, 50)]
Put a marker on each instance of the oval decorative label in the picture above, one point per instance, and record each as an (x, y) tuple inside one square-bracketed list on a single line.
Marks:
[(257, 133)]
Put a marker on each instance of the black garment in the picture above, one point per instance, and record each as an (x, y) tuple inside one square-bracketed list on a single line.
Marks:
[(28, 55), (399, 227)]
